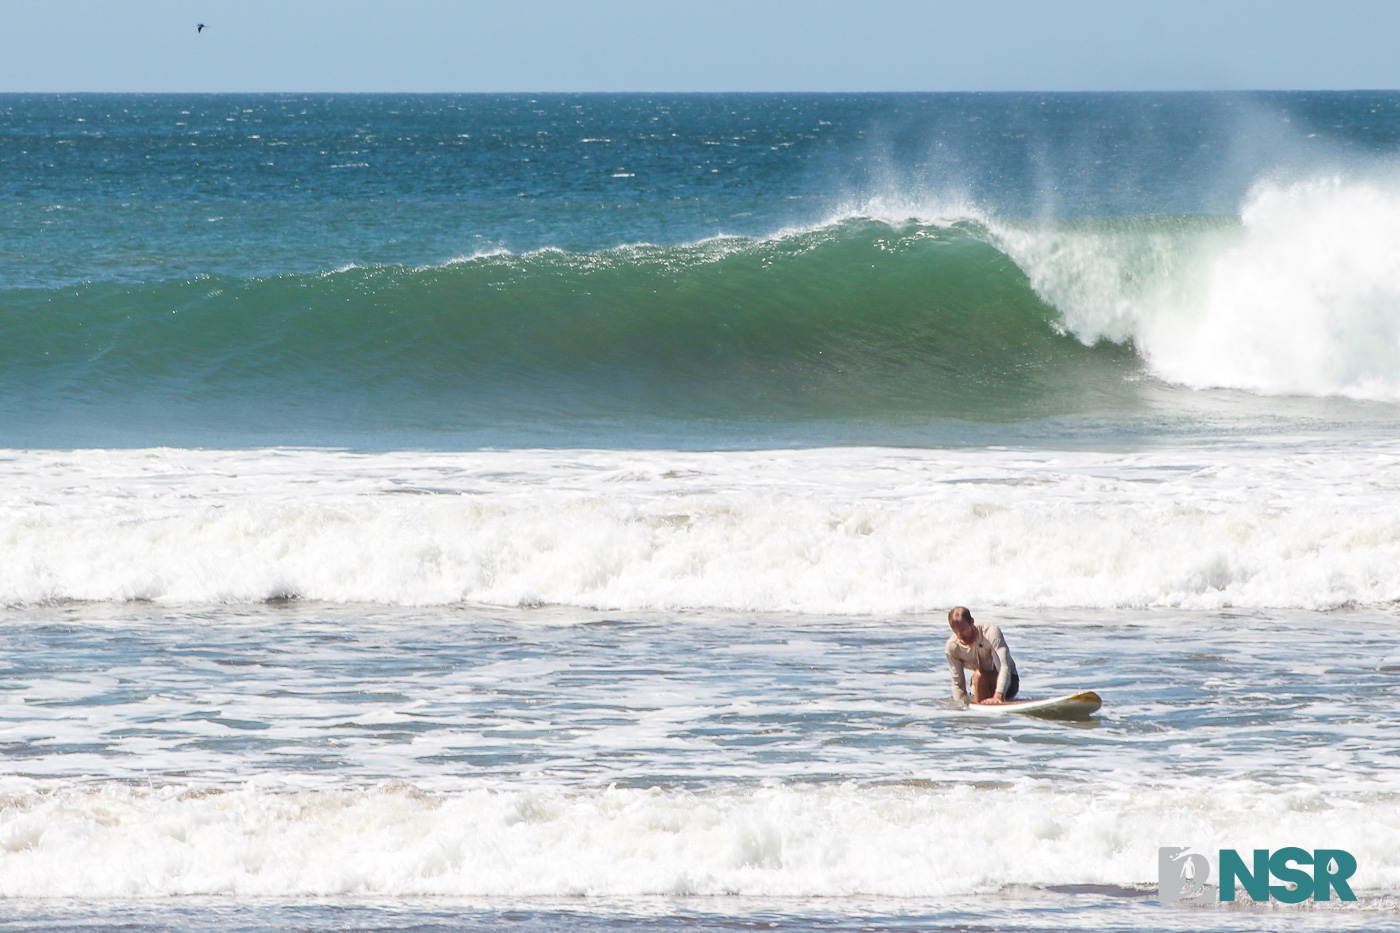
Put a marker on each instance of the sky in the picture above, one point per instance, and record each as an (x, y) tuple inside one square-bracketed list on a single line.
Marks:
[(679, 45)]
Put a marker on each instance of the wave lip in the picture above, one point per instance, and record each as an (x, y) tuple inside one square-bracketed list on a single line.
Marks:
[(845, 531)]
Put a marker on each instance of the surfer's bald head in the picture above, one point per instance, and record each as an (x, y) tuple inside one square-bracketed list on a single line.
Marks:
[(959, 615)]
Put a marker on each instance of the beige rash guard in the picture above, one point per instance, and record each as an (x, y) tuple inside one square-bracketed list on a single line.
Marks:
[(988, 654)]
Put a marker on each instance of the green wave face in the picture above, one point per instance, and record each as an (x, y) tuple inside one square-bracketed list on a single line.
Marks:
[(856, 320)]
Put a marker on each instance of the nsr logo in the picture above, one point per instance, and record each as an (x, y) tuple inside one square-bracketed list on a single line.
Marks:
[(1182, 875)]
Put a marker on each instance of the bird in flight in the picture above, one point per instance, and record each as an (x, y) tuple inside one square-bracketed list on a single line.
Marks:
[(199, 28)]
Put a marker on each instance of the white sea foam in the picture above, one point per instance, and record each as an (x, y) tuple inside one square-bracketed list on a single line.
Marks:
[(1302, 299), (800, 841), (828, 531), (486, 252)]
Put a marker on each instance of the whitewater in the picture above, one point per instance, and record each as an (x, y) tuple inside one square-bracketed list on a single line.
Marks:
[(1298, 300), (856, 531)]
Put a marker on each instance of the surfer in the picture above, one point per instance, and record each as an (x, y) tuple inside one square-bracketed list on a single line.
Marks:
[(979, 647)]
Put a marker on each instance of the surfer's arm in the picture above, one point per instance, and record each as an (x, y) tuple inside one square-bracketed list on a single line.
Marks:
[(1003, 653), (955, 668), (1003, 672)]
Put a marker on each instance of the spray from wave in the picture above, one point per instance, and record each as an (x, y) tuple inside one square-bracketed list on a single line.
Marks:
[(1301, 298), (1298, 295)]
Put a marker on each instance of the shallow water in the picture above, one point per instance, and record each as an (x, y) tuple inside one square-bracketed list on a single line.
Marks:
[(1087, 910), (309, 750)]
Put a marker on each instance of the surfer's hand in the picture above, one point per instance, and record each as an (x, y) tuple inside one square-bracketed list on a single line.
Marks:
[(994, 700)]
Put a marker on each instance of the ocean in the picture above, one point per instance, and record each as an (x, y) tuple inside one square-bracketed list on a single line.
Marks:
[(541, 512)]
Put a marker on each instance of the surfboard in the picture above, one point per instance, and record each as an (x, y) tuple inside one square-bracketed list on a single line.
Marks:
[(1080, 705)]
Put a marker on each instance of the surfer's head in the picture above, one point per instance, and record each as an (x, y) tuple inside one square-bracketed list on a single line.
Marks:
[(961, 622)]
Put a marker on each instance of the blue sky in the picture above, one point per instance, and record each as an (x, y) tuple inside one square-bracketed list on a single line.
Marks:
[(718, 45)]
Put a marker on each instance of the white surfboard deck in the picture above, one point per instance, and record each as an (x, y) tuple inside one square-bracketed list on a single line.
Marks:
[(1079, 705)]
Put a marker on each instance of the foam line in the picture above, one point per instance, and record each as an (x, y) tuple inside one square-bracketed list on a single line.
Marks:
[(790, 841), (853, 531)]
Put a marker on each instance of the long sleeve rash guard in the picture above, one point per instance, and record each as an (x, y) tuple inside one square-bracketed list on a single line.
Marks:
[(988, 654)]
